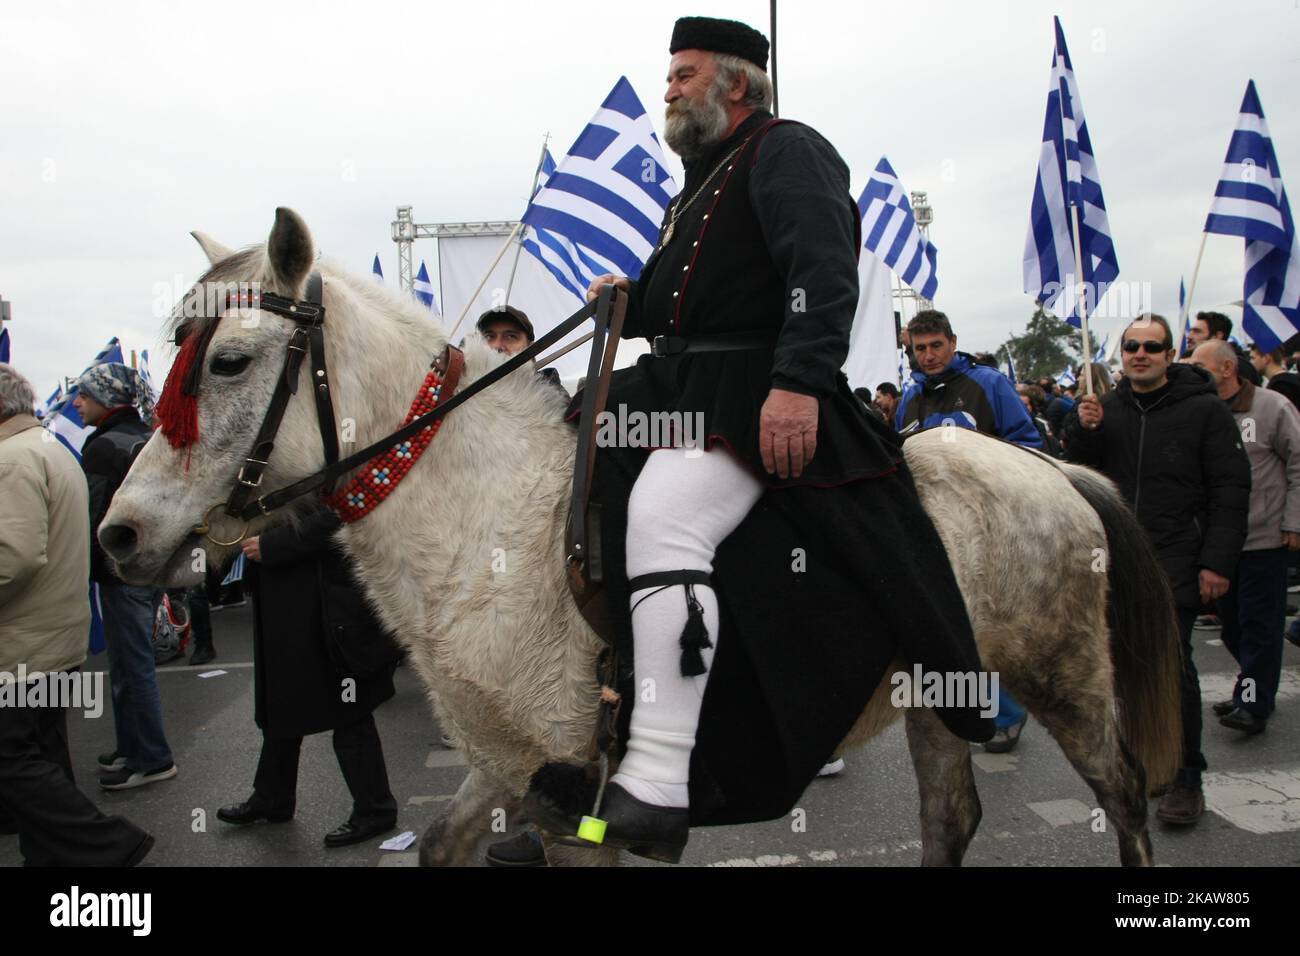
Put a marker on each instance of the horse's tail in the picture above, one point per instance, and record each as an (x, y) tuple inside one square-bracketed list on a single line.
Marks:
[(1145, 647)]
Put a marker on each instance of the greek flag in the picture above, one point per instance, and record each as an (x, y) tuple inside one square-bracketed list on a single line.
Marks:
[(891, 234), (1251, 202), (378, 271), (1011, 368), (1100, 354), (423, 289), (1182, 299), (600, 209), (1067, 177), (545, 171), (236, 572), (1066, 378), (55, 398), (64, 420), (4, 345), (146, 377)]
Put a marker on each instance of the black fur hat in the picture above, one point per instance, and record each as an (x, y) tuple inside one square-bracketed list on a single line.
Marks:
[(720, 36)]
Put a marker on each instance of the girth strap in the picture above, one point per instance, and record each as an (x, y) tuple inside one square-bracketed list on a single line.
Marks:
[(695, 636)]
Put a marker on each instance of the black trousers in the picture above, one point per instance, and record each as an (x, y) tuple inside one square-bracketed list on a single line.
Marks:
[(1253, 613), (1193, 759), (57, 824), (361, 758)]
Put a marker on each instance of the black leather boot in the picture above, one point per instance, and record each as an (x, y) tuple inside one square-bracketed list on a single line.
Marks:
[(659, 833)]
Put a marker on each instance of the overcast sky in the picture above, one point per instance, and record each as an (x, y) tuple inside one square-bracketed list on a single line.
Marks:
[(126, 125)]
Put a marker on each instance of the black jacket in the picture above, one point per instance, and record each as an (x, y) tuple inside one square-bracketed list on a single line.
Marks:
[(1182, 467), (106, 458), (312, 630)]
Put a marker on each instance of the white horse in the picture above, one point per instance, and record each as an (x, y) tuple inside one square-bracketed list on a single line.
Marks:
[(464, 562)]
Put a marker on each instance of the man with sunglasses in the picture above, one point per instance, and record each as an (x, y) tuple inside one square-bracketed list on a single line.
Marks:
[(1169, 442)]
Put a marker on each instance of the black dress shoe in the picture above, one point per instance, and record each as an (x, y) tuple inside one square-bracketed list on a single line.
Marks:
[(1223, 708), (1244, 721), (203, 654), (242, 814), (522, 850), (659, 833), (351, 833)]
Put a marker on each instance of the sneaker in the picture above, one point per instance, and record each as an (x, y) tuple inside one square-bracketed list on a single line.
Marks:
[(125, 779), (1207, 620), (1223, 708), (832, 768), (1241, 719), (1005, 738), (111, 761)]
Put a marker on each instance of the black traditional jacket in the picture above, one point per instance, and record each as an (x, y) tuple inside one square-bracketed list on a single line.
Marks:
[(768, 245)]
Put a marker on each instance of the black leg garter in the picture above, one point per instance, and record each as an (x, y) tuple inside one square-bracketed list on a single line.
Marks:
[(695, 636)]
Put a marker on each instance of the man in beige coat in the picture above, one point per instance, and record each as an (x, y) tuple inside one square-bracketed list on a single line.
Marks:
[(44, 624)]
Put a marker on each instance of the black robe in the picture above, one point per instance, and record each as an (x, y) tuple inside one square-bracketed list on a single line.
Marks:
[(832, 573)]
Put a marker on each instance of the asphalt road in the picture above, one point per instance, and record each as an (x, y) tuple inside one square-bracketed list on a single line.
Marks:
[(1037, 811)]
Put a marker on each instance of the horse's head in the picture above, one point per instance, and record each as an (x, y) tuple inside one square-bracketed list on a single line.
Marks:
[(215, 399)]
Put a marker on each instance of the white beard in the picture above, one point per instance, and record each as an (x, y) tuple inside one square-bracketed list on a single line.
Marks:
[(693, 130)]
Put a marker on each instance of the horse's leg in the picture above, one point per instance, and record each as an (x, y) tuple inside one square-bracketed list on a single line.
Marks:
[(1083, 723), (950, 807), (453, 835)]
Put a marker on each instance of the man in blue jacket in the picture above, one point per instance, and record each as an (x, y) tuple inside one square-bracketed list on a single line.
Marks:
[(950, 390)]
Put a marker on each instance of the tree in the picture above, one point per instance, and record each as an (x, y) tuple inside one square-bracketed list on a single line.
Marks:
[(1046, 347)]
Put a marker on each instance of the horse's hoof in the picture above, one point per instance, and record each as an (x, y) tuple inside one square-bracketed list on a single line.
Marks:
[(429, 844)]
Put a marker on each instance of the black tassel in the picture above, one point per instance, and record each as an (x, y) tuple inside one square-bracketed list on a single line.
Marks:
[(695, 637)]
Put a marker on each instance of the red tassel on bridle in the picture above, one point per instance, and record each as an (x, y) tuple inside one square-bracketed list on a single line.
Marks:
[(178, 408)]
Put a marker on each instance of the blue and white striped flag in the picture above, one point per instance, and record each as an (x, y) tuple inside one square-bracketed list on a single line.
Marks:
[(1182, 299), (56, 397), (64, 420), (890, 232), (377, 271), (1011, 368), (236, 572), (1066, 378), (1100, 354), (1067, 177), (146, 377), (4, 345), (423, 289), (600, 210), (1251, 202), (545, 171)]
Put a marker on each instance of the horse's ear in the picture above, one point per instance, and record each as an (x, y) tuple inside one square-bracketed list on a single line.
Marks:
[(290, 251), (214, 250)]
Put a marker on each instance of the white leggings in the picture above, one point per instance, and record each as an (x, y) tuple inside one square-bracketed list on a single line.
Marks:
[(684, 503)]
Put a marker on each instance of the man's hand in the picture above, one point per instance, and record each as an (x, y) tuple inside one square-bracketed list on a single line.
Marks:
[(787, 432), (1291, 540), (253, 548), (1213, 586), (1090, 412), (619, 282)]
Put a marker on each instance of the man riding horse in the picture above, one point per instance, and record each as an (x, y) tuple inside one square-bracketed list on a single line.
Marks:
[(748, 299)]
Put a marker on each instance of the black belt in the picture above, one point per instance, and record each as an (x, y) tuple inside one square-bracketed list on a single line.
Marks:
[(662, 346)]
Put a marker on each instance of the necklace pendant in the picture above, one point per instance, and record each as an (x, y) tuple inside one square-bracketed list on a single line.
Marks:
[(668, 235)]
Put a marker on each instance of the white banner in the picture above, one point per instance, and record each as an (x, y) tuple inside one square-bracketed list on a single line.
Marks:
[(462, 263), (873, 345)]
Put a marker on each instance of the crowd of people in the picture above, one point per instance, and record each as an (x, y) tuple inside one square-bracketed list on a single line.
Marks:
[(1205, 446)]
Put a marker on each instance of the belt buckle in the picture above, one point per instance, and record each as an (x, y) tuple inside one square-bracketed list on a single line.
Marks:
[(661, 346)]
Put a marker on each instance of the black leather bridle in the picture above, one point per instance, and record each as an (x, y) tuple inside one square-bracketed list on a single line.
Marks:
[(308, 339)]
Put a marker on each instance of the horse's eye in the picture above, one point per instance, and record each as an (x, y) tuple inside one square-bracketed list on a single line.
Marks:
[(231, 364)]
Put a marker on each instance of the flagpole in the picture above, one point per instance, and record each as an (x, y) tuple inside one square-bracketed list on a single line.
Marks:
[(1083, 306), (559, 353), (482, 282), (537, 174), (1185, 311)]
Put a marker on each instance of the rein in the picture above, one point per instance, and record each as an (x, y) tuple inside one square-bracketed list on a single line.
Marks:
[(308, 340)]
